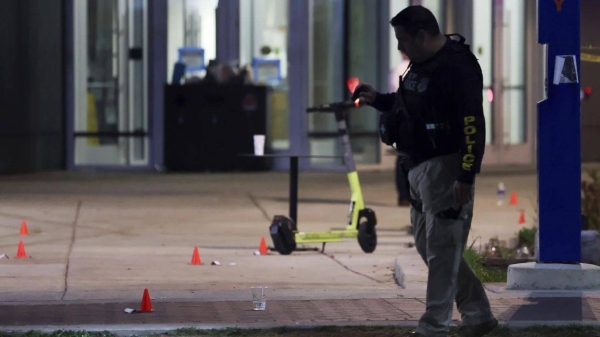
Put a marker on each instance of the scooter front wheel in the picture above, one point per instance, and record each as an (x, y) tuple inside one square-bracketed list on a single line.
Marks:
[(367, 236)]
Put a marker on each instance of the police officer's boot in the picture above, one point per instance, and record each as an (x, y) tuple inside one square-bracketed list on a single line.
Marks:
[(478, 330)]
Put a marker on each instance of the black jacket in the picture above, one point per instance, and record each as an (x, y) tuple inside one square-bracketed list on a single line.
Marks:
[(455, 91)]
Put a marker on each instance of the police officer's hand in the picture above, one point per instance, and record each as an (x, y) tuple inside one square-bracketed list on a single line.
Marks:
[(365, 93), (463, 193)]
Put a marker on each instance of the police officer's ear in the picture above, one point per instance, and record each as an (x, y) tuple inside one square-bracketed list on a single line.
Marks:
[(420, 37)]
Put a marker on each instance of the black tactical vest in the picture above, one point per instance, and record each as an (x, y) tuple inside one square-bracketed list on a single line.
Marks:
[(421, 129)]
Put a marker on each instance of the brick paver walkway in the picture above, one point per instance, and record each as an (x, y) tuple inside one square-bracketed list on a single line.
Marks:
[(280, 312)]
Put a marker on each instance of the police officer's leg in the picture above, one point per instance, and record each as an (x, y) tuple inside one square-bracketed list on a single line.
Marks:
[(398, 176), (417, 221), (471, 300), (434, 180), (402, 188)]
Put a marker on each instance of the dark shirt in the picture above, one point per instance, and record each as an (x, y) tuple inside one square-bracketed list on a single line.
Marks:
[(455, 91)]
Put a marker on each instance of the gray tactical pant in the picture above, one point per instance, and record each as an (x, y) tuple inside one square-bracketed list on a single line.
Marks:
[(441, 231)]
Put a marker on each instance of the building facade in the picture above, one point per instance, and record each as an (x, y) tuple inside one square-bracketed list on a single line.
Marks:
[(112, 58)]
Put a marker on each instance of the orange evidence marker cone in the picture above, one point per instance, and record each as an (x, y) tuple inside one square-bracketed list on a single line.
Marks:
[(21, 251), (522, 218), (24, 231), (262, 249), (513, 198), (146, 303), (196, 257)]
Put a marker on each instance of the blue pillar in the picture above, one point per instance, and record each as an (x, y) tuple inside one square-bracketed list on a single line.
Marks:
[(559, 145)]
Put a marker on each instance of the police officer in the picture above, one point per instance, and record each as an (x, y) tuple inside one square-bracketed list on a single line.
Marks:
[(435, 121)]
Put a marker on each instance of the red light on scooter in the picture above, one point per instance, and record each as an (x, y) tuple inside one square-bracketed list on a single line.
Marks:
[(352, 83), (490, 95), (587, 91), (357, 102)]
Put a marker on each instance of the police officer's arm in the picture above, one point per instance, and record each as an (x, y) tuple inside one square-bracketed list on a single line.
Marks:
[(368, 95), (467, 100), (384, 102)]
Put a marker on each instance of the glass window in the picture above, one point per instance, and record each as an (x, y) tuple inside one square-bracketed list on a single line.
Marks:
[(325, 77), (398, 63), (263, 47), (363, 58), (436, 7), (191, 23), (482, 48), (513, 46)]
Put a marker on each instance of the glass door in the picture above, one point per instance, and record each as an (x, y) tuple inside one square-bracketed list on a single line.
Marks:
[(499, 41), (111, 113)]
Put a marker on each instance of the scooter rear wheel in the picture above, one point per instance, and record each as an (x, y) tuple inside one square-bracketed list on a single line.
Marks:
[(283, 237), (367, 236)]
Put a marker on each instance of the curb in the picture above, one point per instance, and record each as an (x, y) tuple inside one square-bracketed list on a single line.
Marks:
[(148, 329)]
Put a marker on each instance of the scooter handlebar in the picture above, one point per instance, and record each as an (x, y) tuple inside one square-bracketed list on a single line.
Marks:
[(332, 107)]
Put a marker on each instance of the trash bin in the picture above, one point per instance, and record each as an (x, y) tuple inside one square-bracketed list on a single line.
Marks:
[(208, 126)]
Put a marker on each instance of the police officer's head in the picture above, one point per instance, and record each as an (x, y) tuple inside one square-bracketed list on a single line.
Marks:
[(417, 32)]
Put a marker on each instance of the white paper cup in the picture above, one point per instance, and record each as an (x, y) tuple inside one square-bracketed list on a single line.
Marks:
[(259, 145)]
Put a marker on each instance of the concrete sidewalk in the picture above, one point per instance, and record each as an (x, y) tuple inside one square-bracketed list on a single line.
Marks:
[(107, 236), (103, 238)]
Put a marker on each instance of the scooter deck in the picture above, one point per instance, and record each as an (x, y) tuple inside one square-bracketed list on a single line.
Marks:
[(331, 236)]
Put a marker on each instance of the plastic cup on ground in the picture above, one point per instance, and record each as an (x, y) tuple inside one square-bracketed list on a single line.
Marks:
[(259, 298)]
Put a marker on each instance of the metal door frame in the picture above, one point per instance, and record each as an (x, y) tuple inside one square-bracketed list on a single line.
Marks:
[(130, 74)]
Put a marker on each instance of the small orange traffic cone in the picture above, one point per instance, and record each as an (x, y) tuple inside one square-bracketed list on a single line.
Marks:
[(196, 257), (522, 218), (262, 249), (21, 251), (24, 231), (513, 198), (146, 303)]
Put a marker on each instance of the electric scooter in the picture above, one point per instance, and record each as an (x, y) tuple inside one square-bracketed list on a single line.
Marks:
[(361, 220)]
